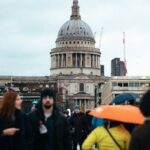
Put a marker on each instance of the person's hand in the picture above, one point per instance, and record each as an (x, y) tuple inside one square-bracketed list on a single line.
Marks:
[(10, 131)]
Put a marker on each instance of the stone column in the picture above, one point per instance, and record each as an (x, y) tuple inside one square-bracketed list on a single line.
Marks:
[(96, 60), (93, 61), (62, 60), (76, 60), (81, 60), (80, 102), (58, 60)]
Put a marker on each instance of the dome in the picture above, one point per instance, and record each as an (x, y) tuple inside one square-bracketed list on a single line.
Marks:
[(75, 30)]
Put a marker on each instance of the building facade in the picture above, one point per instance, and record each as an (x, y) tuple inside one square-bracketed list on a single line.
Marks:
[(118, 67), (124, 84), (75, 67), (76, 62)]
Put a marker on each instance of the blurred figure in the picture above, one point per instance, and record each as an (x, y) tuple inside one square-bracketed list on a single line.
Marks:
[(141, 134), (12, 123), (112, 136), (49, 128), (34, 105), (79, 127), (96, 122), (89, 120), (66, 114)]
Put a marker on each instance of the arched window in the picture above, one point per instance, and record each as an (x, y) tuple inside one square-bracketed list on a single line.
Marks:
[(81, 87)]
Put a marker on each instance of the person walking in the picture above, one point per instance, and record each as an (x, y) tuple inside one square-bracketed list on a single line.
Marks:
[(141, 134), (79, 127), (111, 136), (49, 127), (12, 123)]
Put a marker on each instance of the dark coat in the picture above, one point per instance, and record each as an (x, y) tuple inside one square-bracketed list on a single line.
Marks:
[(17, 141), (140, 139), (79, 125), (60, 127)]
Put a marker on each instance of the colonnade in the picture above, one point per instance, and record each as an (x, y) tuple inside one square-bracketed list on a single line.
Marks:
[(78, 60)]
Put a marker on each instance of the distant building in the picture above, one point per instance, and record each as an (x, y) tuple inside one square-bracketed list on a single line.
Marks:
[(118, 67), (124, 84), (75, 67)]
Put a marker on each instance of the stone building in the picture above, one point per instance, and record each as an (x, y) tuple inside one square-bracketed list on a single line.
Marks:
[(76, 62), (124, 84), (75, 67)]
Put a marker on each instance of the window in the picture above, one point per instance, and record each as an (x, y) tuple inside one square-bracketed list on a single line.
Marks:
[(114, 84), (120, 84), (81, 87), (125, 84), (131, 84)]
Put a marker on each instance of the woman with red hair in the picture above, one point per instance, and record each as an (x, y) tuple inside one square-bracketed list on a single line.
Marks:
[(12, 122)]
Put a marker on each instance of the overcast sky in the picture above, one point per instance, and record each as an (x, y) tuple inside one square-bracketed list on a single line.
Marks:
[(29, 28)]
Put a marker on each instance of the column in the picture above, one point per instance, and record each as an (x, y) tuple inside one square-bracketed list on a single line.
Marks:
[(81, 60), (58, 60), (76, 60), (80, 102), (62, 60), (93, 61), (96, 61)]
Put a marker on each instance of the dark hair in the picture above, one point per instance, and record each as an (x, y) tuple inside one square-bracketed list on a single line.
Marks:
[(145, 104), (48, 92), (8, 104)]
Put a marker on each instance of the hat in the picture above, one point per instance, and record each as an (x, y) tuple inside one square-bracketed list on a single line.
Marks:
[(66, 112), (48, 92), (76, 107), (35, 102)]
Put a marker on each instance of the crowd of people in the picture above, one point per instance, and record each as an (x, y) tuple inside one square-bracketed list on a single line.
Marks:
[(48, 128)]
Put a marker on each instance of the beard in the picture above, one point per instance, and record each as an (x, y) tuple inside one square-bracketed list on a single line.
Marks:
[(47, 106)]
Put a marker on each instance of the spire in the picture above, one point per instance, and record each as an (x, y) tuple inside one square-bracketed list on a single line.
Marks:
[(75, 11)]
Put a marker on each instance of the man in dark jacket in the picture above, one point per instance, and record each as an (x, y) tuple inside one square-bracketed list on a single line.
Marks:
[(141, 134), (79, 127), (49, 128)]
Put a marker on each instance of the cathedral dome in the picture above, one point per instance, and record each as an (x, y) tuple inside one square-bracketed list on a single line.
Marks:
[(75, 29)]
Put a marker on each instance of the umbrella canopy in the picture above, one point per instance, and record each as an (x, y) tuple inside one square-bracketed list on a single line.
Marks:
[(122, 113), (121, 98)]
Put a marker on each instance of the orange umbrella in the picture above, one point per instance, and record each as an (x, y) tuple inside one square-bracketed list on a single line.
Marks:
[(122, 113)]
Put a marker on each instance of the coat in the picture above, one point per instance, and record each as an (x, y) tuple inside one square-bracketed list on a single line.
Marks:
[(17, 141), (79, 125), (140, 137), (101, 137), (61, 136)]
